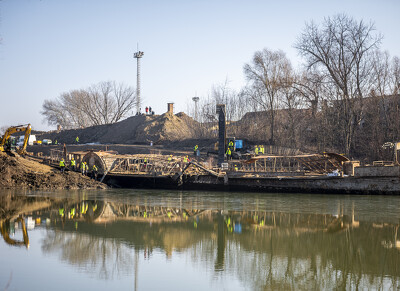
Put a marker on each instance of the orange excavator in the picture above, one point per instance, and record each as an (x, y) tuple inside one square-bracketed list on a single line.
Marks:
[(8, 144)]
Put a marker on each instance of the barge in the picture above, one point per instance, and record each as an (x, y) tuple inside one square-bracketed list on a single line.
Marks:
[(389, 185), (322, 173), (329, 173)]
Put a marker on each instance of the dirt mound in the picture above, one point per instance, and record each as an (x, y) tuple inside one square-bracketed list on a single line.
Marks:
[(139, 129), (18, 172), (167, 127)]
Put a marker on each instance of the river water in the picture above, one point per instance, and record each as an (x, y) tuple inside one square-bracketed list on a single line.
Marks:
[(172, 240)]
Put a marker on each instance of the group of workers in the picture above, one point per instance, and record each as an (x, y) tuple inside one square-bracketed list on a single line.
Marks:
[(84, 168), (230, 149), (183, 161)]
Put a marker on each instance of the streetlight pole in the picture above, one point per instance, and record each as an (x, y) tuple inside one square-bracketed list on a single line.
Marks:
[(195, 99), (138, 55)]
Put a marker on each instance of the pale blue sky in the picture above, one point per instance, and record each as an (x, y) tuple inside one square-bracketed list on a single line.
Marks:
[(51, 46)]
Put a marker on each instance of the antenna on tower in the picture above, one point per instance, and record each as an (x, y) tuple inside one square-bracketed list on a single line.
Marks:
[(138, 55)]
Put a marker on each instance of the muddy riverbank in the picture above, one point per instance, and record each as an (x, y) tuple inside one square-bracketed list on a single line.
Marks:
[(19, 172)]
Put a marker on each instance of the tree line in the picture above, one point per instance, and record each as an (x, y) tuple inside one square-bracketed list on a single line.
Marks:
[(102, 103), (344, 98)]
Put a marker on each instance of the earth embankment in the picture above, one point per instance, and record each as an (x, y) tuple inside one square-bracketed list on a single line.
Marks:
[(23, 173), (140, 129)]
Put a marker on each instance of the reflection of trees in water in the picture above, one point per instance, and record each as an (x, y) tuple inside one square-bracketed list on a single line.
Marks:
[(292, 256), (102, 256), (107, 249), (274, 250), (281, 259)]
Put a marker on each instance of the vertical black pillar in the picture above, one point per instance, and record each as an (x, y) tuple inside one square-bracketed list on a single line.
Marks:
[(221, 243), (221, 133)]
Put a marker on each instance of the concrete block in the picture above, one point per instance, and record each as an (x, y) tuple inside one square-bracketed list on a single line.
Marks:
[(377, 171)]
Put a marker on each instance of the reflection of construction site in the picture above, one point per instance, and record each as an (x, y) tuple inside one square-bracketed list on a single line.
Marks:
[(8, 227), (99, 234), (101, 212)]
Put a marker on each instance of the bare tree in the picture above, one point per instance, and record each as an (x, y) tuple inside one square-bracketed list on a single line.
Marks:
[(206, 112), (310, 85), (385, 100), (267, 75), (103, 103), (223, 94), (294, 113), (395, 76), (313, 88), (341, 50)]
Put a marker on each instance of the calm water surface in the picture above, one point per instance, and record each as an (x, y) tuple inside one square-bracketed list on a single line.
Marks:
[(170, 240)]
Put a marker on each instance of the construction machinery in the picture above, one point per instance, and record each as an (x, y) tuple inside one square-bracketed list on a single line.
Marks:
[(8, 142), (5, 232)]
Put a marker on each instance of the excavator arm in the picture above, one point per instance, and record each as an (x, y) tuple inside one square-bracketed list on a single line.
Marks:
[(5, 232), (11, 130)]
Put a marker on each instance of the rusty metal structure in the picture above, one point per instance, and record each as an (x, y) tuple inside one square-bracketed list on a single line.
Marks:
[(164, 165), (150, 165), (295, 165)]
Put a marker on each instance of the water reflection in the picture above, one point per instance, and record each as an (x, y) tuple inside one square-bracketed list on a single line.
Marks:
[(264, 245)]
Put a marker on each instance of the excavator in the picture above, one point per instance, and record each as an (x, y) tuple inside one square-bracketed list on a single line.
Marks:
[(5, 232), (7, 143)]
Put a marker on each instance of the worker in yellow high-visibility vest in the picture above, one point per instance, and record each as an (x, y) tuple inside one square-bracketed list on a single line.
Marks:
[(230, 145), (83, 168), (62, 165), (94, 172), (73, 164), (229, 154)]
